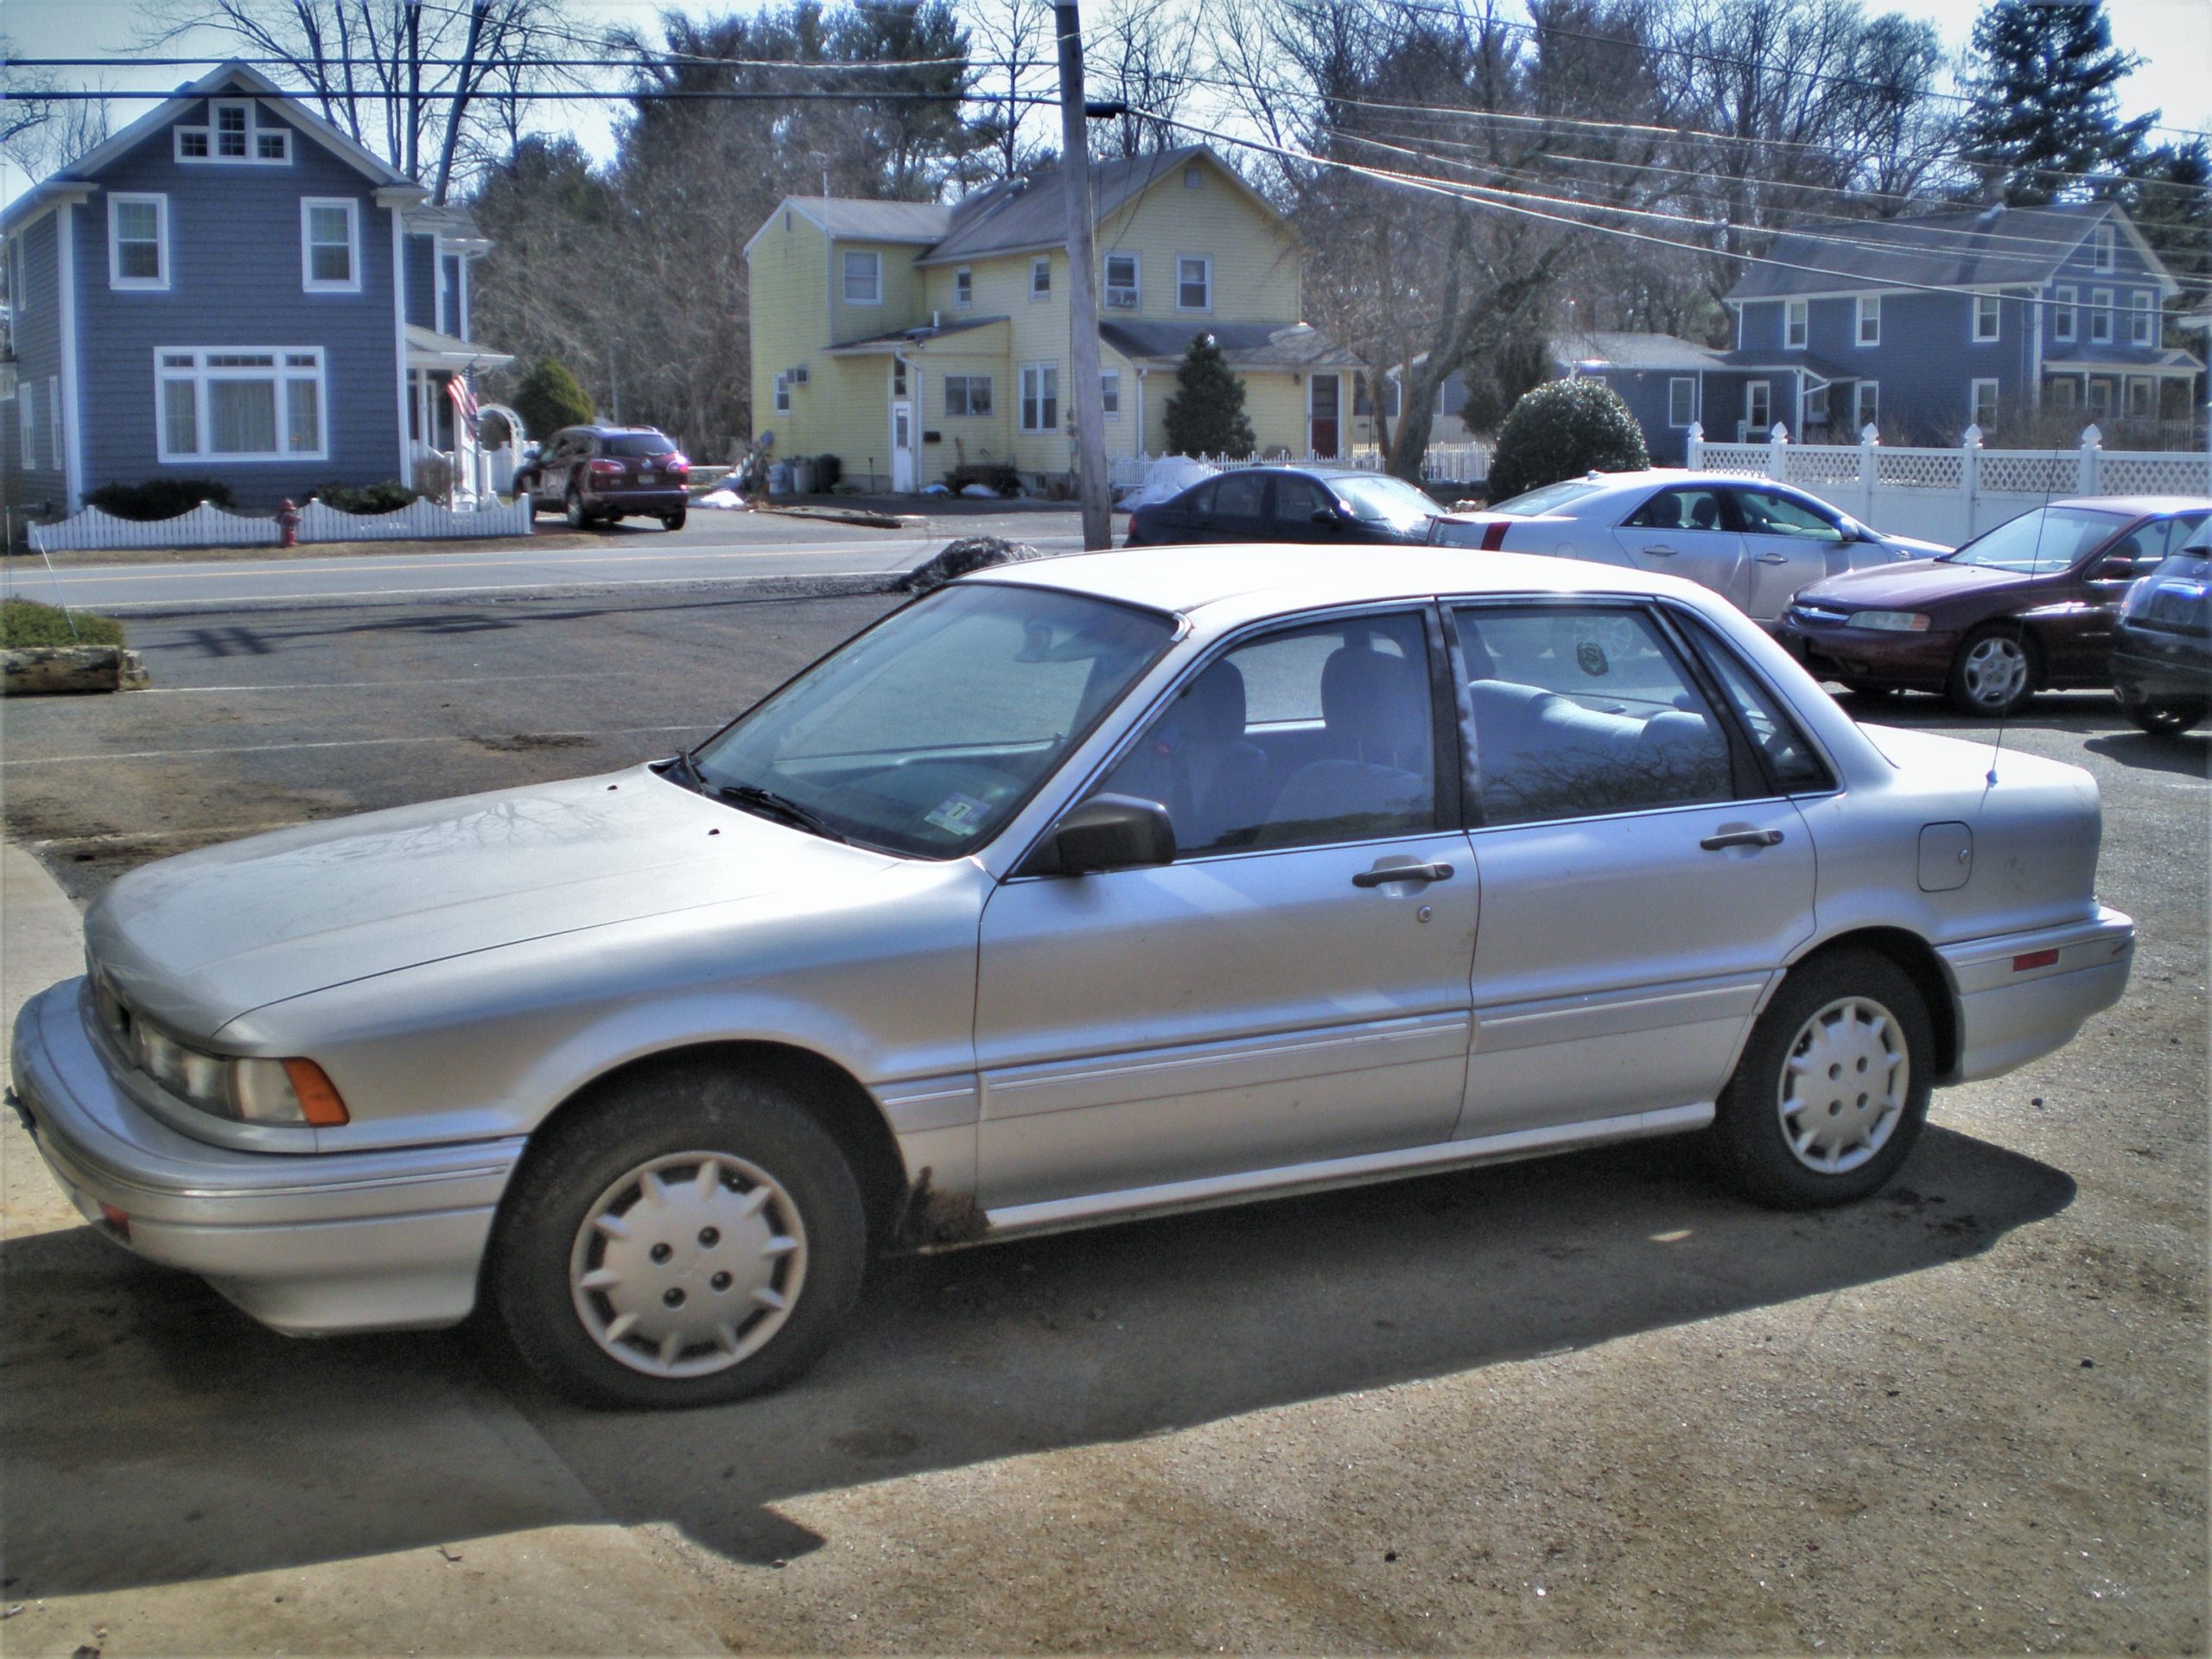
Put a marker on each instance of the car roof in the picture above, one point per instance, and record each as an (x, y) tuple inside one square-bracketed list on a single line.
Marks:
[(1269, 579)]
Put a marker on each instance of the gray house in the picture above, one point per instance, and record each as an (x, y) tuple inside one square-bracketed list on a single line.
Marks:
[(230, 288), (1924, 326)]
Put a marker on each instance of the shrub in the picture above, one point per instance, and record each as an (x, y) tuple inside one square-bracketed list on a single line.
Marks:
[(1563, 430), (549, 398), (1206, 415), (158, 498), (997, 475), (27, 622), (388, 497), (828, 470)]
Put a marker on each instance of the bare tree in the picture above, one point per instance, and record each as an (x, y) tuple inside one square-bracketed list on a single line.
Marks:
[(42, 129), (1014, 65), (1144, 55)]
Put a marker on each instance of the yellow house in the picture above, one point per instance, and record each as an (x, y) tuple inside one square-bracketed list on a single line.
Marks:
[(911, 337)]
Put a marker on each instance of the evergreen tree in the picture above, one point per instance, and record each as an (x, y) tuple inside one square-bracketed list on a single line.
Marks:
[(2169, 195), (1206, 415), (549, 398), (2044, 103), (1563, 430)]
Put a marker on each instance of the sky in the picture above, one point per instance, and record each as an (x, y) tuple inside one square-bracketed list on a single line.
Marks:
[(2173, 37)]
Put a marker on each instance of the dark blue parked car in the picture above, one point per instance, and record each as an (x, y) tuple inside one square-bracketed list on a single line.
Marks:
[(2162, 641), (1288, 503)]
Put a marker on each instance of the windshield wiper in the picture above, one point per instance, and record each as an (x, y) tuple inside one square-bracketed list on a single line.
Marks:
[(767, 801)]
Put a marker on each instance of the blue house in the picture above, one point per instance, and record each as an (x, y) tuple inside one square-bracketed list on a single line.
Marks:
[(1921, 326), (230, 288)]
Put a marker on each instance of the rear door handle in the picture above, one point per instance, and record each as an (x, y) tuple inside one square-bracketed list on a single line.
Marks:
[(1774, 558), (1660, 552), (1382, 874), (1741, 838)]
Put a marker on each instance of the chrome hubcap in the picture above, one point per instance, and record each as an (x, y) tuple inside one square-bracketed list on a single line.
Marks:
[(688, 1264), (1844, 1085), (1996, 671)]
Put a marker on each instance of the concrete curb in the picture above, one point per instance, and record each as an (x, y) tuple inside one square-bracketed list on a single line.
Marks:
[(865, 517), (40, 670), (747, 589)]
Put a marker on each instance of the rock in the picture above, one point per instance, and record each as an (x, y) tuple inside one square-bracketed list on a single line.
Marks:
[(958, 558), (31, 670)]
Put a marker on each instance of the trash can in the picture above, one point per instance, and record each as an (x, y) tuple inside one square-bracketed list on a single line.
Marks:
[(802, 475), (779, 477)]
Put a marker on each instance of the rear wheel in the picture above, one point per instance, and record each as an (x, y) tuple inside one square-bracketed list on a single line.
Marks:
[(686, 1240), (1993, 675), (1870, 691), (672, 520), (573, 510), (2167, 719)]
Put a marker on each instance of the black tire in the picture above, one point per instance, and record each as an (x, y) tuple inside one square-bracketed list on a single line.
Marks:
[(1870, 691), (2167, 719), (672, 520), (573, 510), (1994, 673), (1850, 1144), (801, 1250)]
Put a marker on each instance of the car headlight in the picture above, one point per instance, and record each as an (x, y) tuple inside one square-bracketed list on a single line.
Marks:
[(224, 1086), (1891, 621)]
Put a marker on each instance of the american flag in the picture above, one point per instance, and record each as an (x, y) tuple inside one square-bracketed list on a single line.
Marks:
[(464, 400)]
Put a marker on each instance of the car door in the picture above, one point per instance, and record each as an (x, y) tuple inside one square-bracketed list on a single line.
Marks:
[(1298, 511), (1174, 523), (1787, 546), (1237, 511), (1643, 878), (1275, 996), (1687, 530), (2081, 641)]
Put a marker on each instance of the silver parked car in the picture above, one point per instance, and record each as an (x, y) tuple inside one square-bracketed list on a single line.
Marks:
[(1750, 540), (1079, 890)]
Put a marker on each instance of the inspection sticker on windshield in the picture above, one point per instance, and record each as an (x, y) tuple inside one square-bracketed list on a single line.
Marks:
[(957, 814)]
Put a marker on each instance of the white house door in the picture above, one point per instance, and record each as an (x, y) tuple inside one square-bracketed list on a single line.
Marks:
[(1323, 421), (1758, 411), (902, 448)]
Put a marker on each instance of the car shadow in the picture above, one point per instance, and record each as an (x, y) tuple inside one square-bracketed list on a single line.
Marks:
[(2189, 754), (153, 1435)]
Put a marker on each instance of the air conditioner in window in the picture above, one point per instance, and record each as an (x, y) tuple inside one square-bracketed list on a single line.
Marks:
[(1121, 299), (799, 375)]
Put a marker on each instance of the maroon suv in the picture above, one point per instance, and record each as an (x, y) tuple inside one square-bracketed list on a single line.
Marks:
[(2026, 607), (606, 472)]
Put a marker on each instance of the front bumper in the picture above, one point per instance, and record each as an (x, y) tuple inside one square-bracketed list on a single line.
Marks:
[(310, 1244), (2009, 1015), (1918, 662)]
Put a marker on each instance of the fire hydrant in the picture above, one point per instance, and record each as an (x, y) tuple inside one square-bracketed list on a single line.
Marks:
[(287, 524)]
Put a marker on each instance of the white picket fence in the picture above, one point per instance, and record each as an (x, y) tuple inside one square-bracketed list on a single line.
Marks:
[(1952, 495), (205, 525), (1449, 463)]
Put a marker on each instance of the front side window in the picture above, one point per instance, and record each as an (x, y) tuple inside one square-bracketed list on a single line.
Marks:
[(1797, 324), (138, 238), (1870, 320), (1988, 317), (330, 236), (1683, 509), (2062, 319), (1299, 502), (1770, 512), (1040, 398), (967, 394), (863, 277), (1193, 283), (1308, 736), (241, 405), (869, 746), (1582, 711)]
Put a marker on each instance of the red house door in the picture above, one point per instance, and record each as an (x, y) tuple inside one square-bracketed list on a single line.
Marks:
[(1323, 438)]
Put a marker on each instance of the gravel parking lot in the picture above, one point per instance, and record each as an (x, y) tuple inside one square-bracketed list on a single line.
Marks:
[(1590, 1404)]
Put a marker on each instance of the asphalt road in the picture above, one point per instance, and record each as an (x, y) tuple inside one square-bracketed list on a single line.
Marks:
[(1588, 1404)]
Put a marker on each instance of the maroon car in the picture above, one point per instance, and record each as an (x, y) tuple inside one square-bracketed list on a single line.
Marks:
[(603, 472), (2025, 608)]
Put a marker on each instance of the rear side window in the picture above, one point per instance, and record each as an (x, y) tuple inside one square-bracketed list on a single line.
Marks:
[(1681, 510), (1239, 495), (1794, 766)]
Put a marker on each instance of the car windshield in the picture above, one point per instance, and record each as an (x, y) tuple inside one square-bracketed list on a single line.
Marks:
[(927, 733), (630, 446), (1550, 498), (2040, 542), (1386, 500)]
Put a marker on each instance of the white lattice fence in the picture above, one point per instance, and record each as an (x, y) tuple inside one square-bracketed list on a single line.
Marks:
[(1920, 469), (204, 526), (2173, 474), (419, 520), (1746, 459), (1816, 465), (2032, 472)]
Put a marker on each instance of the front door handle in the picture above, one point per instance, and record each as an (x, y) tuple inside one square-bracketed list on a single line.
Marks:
[(1774, 558), (1741, 838), (1660, 552), (1384, 874)]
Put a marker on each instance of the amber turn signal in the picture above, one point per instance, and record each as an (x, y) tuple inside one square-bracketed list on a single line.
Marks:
[(319, 1101)]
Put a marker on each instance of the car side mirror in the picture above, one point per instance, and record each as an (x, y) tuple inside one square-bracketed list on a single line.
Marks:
[(1326, 516), (2118, 566), (1107, 832)]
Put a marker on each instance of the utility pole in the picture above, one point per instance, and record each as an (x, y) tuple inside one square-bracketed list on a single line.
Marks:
[(414, 140), (1085, 396)]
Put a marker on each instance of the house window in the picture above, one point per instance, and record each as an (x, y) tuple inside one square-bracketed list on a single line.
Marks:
[(1193, 176), (1866, 406), (967, 394), (2139, 318), (963, 286), (1870, 320), (2102, 241), (1121, 285), (1797, 323), (1988, 318), (234, 134), (2062, 394), (1193, 283), (138, 242), (231, 125), (1040, 398), (782, 394), (1109, 393), (1041, 277), (2101, 316), (1982, 402), (54, 421), (241, 404), (863, 278), (2099, 397), (897, 376), (27, 425), (2140, 400), (1681, 400), (2064, 321), (1759, 408), (330, 246)]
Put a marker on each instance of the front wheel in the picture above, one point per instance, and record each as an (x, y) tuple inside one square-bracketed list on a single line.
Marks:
[(1993, 675), (672, 520), (1833, 1087), (688, 1240), (1868, 691), (2167, 719)]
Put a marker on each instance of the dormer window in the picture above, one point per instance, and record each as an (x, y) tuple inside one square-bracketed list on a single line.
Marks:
[(236, 134), (2102, 242)]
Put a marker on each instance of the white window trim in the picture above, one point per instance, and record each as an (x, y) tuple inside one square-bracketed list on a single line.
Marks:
[(1133, 287), (1758, 391), (1861, 395), (845, 256), (1796, 321), (783, 401), (1996, 303), (309, 281), (2100, 324), (54, 459), (1869, 310), (2063, 392), (2104, 246), (2141, 328), (253, 132), (1113, 411), (1674, 381), (2098, 399), (200, 376), (1207, 264), (27, 423), (115, 279), (1973, 400), (2065, 322), (963, 293), (1022, 399), (968, 383), (1042, 263)]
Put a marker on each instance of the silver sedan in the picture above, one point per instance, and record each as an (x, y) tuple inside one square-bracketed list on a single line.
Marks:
[(1750, 540), (1081, 890)]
